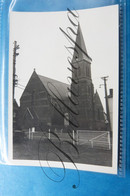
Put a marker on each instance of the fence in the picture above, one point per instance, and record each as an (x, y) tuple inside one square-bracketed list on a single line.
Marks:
[(91, 138), (99, 139)]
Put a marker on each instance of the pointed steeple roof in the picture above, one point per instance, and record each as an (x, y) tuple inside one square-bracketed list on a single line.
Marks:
[(80, 48)]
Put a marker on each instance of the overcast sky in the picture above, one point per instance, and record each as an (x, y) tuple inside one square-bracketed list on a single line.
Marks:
[(42, 45)]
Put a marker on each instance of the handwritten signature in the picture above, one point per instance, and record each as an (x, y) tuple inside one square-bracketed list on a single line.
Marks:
[(61, 106)]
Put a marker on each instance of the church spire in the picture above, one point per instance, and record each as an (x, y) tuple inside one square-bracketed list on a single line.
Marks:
[(80, 52)]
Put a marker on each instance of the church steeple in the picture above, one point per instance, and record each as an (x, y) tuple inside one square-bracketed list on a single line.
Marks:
[(80, 51), (82, 73), (81, 59)]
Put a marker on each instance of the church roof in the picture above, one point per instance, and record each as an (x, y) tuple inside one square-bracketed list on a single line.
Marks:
[(97, 98), (54, 87), (15, 105), (80, 48)]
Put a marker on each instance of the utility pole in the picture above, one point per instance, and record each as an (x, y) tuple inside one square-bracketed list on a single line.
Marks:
[(15, 54), (106, 100)]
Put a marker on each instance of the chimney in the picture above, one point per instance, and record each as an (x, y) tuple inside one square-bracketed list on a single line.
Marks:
[(110, 93)]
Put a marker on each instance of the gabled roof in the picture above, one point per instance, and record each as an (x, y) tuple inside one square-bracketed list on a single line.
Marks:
[(80, 47), (54, 88)]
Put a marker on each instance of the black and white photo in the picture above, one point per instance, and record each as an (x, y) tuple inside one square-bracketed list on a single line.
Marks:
[(63, 79)]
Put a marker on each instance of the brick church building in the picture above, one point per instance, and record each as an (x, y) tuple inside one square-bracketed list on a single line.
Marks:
[(48, 102)]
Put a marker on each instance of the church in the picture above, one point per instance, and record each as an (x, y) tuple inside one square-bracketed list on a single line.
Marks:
[(48, 102)]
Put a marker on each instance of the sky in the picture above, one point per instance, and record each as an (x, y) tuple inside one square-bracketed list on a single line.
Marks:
[(42, 45)]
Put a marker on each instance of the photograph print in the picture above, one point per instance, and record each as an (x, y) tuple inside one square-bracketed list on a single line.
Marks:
[(63, 88)]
